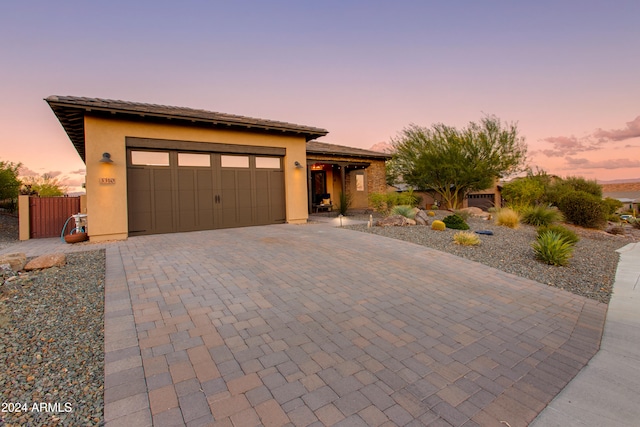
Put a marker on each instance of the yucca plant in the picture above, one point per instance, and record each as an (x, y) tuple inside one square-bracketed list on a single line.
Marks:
[(466, 238), (552, 249), (404, 210), (568, 235), (508, 217), (541, 215)]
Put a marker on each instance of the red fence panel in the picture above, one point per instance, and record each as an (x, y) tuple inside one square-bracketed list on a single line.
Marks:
[(47, 215)]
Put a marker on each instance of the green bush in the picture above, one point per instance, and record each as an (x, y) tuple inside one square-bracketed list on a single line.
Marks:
[(541, 215), (384, 202), (566, 234), (614, 218), (526, 191), (455, 222), (438, 225), (404, 210), (635, 223), (584, 209), (551, 248), (612, 205)]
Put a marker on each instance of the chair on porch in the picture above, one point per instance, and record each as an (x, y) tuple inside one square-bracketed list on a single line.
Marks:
[(322, 202)]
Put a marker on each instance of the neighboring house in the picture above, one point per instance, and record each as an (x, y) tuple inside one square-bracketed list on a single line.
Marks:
[(160, 169), (628, 193), (334, 169)]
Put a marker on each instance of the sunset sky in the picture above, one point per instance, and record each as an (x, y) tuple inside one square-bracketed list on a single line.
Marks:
[(567, 71)]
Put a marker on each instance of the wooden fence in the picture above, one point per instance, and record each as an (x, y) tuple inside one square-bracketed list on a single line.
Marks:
[(47, 215)]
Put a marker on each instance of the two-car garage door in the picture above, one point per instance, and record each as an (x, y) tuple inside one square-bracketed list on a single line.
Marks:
[(173, 191)]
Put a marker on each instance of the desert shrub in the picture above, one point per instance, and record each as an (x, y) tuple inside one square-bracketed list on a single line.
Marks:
[(526, 191), (408, 198), (463, 214), (552, 249), (466, 238), (404, 210), (508, 217), (566, 234), (541, 215), (584, 209), (455, 222), (378, 201), (438, 225), (612, 205), (635, 223), (431, 213), (614, 218), (384, 202)]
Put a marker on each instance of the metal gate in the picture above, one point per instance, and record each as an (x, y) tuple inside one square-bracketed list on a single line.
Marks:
[(47, 215)]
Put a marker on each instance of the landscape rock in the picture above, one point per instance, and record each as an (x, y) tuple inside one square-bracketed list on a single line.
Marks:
[(422, 218), (393, 221), (16, 260), (46, 261), (477, 212)]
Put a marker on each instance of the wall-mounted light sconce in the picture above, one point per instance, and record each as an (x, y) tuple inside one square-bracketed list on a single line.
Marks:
[(106, 158), (298, 165)]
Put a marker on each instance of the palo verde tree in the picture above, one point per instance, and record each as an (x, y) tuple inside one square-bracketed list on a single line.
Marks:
[(454, 162), (44, 186)]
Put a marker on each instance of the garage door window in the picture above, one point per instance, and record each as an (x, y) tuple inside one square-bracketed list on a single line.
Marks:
[(268, 162), (234, 161), (150, 158), (197, 160)]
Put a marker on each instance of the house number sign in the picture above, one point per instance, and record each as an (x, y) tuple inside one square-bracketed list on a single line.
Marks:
[(107, 180)]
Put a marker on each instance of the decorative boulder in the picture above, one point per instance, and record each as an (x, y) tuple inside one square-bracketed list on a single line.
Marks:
[(393, 221), (16, 261), (46, 261), (422, 218)]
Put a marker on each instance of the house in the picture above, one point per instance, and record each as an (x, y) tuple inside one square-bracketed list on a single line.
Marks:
[(160, 169), (334, 169), (627, 192)]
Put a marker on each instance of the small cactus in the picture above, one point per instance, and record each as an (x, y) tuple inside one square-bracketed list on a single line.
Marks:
[(431, 213), (438, 225)]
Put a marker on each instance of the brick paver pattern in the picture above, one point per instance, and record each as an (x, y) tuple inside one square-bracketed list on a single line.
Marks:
[(310, 325)]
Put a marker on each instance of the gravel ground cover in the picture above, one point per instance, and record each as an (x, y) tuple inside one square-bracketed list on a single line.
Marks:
[(590, 272), (8, 229), (51, 344)]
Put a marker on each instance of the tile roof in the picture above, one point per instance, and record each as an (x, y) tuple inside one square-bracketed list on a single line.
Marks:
[(71, 110), (316, 147)]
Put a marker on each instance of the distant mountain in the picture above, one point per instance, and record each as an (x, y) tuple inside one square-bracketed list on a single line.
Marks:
[(619, 181), (382, 147)]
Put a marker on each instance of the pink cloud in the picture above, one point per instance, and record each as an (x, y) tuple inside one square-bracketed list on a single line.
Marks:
[(567, 145), (631, 131), (79, 172), (581, 163)]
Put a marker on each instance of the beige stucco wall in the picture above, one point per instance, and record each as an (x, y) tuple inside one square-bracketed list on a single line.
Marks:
[(107, 203), (23, 217)]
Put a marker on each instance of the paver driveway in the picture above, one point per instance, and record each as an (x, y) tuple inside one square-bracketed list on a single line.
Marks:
[(310, 324)]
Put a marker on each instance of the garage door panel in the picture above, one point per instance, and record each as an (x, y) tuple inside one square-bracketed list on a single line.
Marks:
[(193, 194)]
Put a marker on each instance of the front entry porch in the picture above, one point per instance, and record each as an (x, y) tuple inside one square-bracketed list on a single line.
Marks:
[(327, 181)]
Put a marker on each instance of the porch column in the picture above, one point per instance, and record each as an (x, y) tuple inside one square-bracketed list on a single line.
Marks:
[(309, 195), (343, 176)]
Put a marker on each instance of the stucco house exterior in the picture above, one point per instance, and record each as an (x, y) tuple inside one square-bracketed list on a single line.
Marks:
[(159, 169), (627, 192)]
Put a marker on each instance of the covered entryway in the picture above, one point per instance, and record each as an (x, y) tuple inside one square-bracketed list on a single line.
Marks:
[(175, 191)]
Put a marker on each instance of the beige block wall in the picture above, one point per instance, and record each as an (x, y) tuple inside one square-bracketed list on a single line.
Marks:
[(107, 203)]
